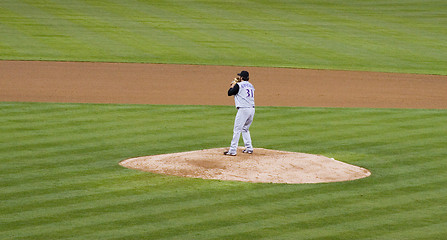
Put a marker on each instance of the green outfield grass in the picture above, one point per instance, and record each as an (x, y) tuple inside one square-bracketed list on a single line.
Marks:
[(392, 36), (60, 177), (59, 172)]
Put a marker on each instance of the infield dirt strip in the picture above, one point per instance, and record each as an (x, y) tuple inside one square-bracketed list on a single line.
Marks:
[(131, 83), (85, 82)]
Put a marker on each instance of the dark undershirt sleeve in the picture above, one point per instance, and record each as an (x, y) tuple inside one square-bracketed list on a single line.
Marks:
[(234, 90)]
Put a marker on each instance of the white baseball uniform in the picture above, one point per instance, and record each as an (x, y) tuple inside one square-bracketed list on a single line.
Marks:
[(245, 104)]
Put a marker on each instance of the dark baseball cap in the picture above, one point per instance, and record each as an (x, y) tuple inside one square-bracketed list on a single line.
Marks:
[(243, 74)]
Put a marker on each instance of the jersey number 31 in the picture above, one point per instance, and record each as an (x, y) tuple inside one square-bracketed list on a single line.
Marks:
[(250, 93)]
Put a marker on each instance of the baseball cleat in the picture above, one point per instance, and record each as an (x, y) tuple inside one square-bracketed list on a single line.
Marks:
[(248, 151), (229, 154)]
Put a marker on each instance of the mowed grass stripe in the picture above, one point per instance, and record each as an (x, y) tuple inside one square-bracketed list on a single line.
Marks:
[(84, 120), (394, 178), (36, 116), (45, 191), (347, 118), (101, 25), (80, 31), (197, 34), (303, 227), (279, 215), (138, 211), (108, 136), (101, 130), (416, 181), (388, 24), (357, 229), (403, 129), (428, 230), (63, 153), (400, 221), (440, 139), (282, 216), (231, 23), (21, 30), (91, 128), (238, 222), (11, 48), (351, 138), (346, 35), (354, 132), (160, 187), (167, 28), (56, 40), (413, 146), (311, 26), (78, 119)]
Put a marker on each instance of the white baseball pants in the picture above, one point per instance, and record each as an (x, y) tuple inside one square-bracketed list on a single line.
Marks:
[(242, 122)]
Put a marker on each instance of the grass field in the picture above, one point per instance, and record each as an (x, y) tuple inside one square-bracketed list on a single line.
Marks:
[(60, 177), (392, 36)]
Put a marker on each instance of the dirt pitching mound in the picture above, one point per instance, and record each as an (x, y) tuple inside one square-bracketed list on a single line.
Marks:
[(263, 166)]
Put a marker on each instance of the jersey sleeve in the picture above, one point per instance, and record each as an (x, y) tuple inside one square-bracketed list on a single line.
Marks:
[(234, 90)]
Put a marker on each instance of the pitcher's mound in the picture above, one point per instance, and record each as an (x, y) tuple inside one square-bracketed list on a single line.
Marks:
[(263, 166)]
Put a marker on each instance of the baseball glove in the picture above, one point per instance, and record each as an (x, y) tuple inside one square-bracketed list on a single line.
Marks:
[(236, 80)]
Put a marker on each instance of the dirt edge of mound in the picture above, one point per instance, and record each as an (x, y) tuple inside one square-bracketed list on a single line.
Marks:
[(263, 166)]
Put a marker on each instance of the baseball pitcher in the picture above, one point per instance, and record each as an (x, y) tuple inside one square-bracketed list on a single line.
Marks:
[(244, 99)]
